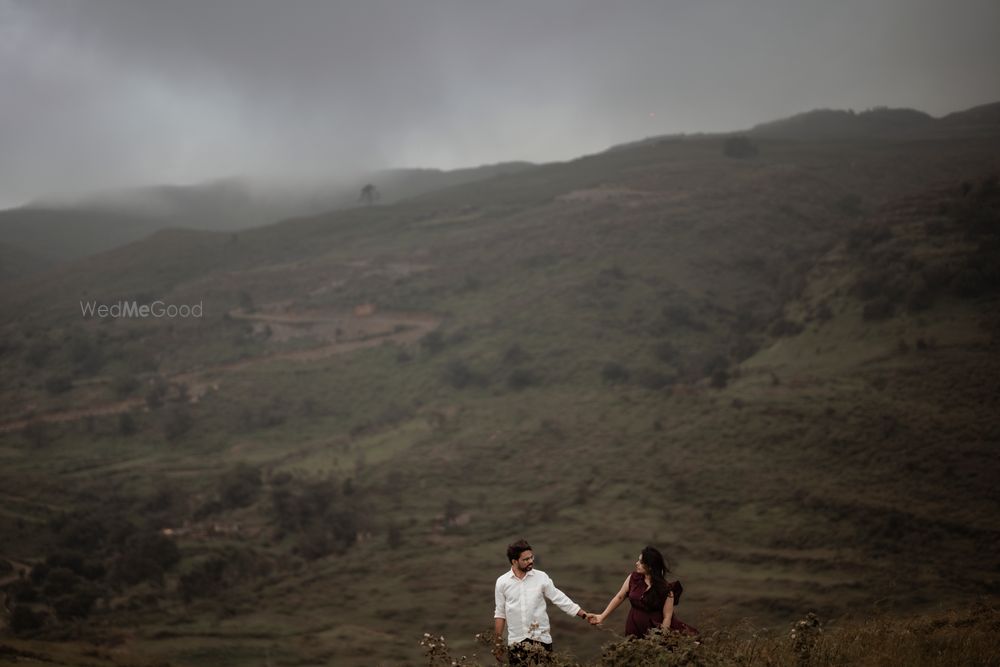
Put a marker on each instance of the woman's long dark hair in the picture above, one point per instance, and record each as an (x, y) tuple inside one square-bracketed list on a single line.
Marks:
[(653, 560)]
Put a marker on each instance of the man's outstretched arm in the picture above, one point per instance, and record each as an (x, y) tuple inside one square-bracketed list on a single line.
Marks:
[(561, 600)]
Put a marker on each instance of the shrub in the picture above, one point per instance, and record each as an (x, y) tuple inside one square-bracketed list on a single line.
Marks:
[(849, 205), (90, 532), (614, 373), (124, 384), (680, 315), (335, 534), (717, 363), (452, 509), (666, 352), (24, 620), (126, 424), (824, 313), (58, 384), (78, 562), (39, 572), (60, 581), (324, 520), (433, 342), (610, 276), (805, 635), (514, 355), (37, 433), (205, 579), (37, 353), (654, 380), (784, 327), (458, 374), (21, 590), (245, 301), (76, 605), (866, 236), (743, 348), (240, 486), (879, 309), (206, 510), (739, 147), (979, 274), (658, 648), (438, 655), (273, 413), (394, 536), (935, 228), (176, 422), (880, 282), (145, 557), (920, 297), (720, 378), (156, 392), (521, 378)]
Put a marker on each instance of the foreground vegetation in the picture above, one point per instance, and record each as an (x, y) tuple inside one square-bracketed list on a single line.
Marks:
[(966, 637)]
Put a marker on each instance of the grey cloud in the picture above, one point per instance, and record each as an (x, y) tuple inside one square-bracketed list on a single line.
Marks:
[(102, 93)]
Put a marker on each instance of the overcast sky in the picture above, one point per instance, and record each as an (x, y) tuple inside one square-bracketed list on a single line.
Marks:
[(96, 94)]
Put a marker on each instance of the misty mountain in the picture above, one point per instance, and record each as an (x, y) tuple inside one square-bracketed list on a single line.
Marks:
[(984, 114), (834, 124), (59, 231), (823, 124)]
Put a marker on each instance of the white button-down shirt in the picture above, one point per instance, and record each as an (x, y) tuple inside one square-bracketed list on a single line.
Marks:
[(522, 603)]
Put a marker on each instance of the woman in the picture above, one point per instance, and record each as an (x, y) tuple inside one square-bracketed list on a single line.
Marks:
[(652, 597)]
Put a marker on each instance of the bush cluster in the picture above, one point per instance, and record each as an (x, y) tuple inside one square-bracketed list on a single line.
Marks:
[(739, 147), (92, 554), (955, 638), (323, 516)]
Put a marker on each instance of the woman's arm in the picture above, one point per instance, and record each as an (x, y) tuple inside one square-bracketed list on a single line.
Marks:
[(668, 610), (613, 604)]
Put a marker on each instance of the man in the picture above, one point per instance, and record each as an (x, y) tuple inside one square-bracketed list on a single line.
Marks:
[(520, 605)]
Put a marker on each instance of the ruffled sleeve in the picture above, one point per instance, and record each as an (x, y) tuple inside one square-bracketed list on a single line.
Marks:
[(675, 588)]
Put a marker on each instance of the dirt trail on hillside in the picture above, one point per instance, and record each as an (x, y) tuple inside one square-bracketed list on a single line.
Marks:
[(343, 332)]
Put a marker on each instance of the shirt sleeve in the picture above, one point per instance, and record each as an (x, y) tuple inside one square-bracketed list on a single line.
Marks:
[(500, 599), (560, 599)]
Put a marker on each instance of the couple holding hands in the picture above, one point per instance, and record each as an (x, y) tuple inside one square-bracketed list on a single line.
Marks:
[(521, 593)]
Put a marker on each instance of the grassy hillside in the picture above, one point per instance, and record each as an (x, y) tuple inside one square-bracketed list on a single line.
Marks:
[(17, 263), (779, 370)]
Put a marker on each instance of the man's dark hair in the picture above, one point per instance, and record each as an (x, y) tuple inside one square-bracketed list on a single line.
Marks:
[(515, 550)]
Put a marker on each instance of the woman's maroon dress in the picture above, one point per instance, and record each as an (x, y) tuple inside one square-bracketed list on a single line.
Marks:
[(647, 608)]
